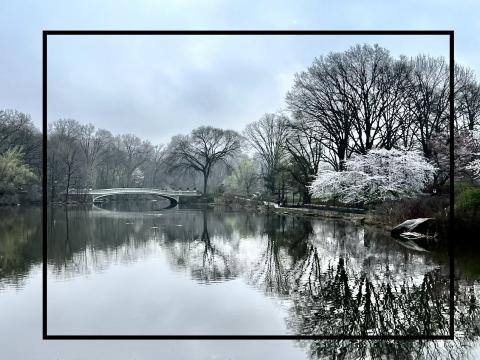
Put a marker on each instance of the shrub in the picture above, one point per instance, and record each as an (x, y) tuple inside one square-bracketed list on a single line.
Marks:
[(467, 214), (14, 173), (468, 200), (395, 212)]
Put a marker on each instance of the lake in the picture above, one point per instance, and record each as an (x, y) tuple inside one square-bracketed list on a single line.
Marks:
[(134, 270)]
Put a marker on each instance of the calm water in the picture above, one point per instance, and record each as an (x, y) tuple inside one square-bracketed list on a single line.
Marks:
[(197, 271)]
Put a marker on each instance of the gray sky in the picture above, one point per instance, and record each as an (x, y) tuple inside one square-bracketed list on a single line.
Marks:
[(158, 86)]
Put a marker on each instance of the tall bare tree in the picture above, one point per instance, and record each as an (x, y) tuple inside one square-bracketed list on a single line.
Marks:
[(396, 124), (136, 153), (154, 165), (91, 142), (64, 153), (355, 100), (267, 136), (306, 154), (366, 75), (430, 79), (320, 95), (468, 109), (202, 149)]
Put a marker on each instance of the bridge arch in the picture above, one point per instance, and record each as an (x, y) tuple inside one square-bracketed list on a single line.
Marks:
[(173, 200)]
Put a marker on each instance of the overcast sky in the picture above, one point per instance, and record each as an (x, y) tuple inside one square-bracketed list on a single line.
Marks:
[(159, 86)]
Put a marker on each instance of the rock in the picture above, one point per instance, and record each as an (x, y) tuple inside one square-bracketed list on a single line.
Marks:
[(414, 236), (422, 226)]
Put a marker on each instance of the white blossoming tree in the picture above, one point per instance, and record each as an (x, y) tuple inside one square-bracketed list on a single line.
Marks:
[(377, 176), (137, 177), (474, 165)]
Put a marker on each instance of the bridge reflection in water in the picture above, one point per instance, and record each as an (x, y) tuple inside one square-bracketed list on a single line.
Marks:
[(173, 196)]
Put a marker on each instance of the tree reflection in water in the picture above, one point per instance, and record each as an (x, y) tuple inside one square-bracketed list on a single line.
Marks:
[(20, 244), (337, 278), (270, 271), (208, 262), (343, 299), (340, 301)]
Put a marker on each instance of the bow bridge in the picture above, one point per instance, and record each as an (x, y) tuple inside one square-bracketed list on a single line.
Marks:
[(172, 195)]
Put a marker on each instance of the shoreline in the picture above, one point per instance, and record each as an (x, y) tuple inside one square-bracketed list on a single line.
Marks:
[(368, 218), (363, 217)]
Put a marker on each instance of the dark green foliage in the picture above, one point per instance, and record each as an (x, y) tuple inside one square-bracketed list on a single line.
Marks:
[(467, 214), (468, 201)]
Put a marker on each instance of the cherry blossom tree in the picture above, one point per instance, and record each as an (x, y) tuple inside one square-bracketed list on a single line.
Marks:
[(377, 176), (466, 148), (474, 165)]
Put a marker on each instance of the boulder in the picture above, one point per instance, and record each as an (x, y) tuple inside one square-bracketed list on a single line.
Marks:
[(415, 236), (421, 226)]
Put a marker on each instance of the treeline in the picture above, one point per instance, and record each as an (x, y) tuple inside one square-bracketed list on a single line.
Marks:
[(345, 103), (362, 99)]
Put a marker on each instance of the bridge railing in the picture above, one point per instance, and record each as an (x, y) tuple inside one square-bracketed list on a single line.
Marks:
[(133, 191)]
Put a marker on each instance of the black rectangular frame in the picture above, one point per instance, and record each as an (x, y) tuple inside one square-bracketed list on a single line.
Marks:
[(451, 37)]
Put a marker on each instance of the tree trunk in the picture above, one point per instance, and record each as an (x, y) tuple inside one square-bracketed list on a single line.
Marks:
[(52, 184), (205, 181), (342, 152), (306, 196), (68, 186)]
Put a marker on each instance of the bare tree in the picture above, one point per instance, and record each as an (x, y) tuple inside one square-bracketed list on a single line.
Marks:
[(53, 170), (366, 75), (136, 153), (397, 125), (91, 142), (363, 99), (69, 157), (64, 154), (267, 136), (305, 150), (430, 79), (154, 164), (468, 109), (110, 163), (320, 95), (202, 149)]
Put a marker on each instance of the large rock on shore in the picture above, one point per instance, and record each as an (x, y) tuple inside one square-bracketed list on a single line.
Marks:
[(426, 227)]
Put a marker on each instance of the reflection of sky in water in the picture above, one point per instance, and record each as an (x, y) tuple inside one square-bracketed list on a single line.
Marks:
[(161, 260), (182, 272)]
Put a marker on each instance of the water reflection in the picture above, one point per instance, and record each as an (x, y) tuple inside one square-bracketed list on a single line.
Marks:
[(339, 278), (334, 277), (20, 244), (195, 249)]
